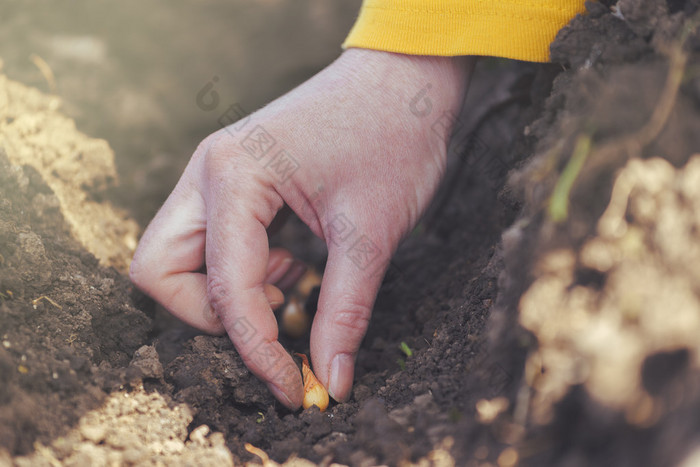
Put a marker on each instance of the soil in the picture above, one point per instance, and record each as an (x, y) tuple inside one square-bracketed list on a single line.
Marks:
[(550, 297)]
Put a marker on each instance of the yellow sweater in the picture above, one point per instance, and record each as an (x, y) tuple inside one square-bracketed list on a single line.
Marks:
[(519, 29)]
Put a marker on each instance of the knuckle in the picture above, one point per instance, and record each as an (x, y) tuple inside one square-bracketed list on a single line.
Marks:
[(354, 318), (218, 293), (222, 161), (206, 144), (215, 151), (217, 158)]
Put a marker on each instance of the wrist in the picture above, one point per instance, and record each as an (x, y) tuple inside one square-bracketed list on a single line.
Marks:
[(427, 87)]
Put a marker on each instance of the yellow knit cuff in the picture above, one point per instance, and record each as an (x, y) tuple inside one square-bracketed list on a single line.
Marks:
[(518, 29)]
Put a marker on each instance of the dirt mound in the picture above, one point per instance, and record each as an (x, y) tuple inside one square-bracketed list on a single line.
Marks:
[(69, 329), (600, 269), (78, 170)]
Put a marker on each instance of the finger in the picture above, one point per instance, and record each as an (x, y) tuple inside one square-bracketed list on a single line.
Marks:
[(278, 264), (345, 305), (170, 255), (274, 296), (292, 276), (183, 292), (283, 270), (237, 259), (167, 258)]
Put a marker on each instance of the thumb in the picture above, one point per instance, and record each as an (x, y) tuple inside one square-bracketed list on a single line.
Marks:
[(350, 283)]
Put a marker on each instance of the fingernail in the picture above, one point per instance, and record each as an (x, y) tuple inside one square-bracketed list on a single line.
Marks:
[(342, 368), (281, 396), (278, 270), (274, 295)]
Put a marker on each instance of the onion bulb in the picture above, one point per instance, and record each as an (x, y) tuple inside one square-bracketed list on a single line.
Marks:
[(295, 320), (314, 392)]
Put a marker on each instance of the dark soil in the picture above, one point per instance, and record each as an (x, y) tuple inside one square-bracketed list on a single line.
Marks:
[(60, 354), (537, 337)]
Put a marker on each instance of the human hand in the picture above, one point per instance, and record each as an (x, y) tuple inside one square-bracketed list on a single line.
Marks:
[(350, 152)]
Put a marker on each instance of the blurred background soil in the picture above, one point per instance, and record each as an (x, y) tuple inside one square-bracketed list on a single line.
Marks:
[(130, 72), (550, 298)]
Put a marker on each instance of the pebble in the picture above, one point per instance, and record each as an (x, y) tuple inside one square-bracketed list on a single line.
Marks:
[(199, 434), (94, 433)]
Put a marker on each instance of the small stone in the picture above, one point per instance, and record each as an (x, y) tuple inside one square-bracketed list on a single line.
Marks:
[(146, 360), (64, 445), (87, 454), (32, 247), (173, 446), (120, 440), (94, 433), (199, 434), (217, 439)]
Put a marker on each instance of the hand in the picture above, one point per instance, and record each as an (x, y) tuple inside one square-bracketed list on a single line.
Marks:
[(357, 152)]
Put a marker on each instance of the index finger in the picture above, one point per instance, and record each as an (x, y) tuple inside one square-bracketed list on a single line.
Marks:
[(237, 256)]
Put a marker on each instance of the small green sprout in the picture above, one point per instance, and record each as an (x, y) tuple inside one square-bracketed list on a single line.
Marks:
[(559, 202), (402, 363), (406, 349)]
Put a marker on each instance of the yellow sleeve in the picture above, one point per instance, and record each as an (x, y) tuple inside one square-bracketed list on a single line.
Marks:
[(519, 29)]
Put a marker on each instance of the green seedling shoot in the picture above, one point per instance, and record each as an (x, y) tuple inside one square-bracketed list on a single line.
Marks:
[(559, 202), (406, 349)]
